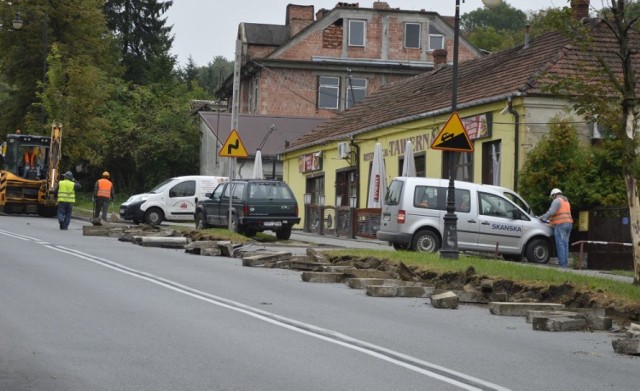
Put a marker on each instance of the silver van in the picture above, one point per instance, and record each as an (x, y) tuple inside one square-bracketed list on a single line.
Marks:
[(489, 219)]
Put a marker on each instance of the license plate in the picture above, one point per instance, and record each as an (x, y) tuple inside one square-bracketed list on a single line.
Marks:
[(272, 224), (386, 218)]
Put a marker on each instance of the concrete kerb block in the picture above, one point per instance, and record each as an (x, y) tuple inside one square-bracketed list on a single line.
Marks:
[(415, 291), (561, 323), (446, 300), (381, 290), (323, 277), (521, 309), (362, 283), (595, 317)]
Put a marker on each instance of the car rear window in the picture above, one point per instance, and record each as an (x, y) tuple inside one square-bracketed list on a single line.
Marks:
[(270, 191)]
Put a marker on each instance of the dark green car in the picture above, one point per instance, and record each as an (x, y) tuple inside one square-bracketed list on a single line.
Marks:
[(255, 205)]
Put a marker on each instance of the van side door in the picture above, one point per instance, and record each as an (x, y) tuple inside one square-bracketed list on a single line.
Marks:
[(181, 204), (498, 227), (468, 225)]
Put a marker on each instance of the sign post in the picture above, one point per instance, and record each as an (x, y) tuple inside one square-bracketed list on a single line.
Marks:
[(452, 138), (232, 148)]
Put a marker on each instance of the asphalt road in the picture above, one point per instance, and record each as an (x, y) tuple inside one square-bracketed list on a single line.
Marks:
[(93, 313)]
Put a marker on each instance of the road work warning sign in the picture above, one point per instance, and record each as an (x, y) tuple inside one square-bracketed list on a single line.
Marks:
[(453, 137)]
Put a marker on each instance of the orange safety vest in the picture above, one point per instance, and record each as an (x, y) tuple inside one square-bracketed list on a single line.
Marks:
[(104, 188), (30, 159), (563, 214)]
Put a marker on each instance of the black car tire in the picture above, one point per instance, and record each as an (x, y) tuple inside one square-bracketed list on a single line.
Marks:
[(200, 221), (538, 251), (425, 241), (235, 226), (153, 216), (284, 233)]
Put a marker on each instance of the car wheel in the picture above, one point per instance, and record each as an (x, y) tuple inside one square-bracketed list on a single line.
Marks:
[(200, 221), (283, 233), (153, 216), (425, 241), (538, 251), (235, 227)]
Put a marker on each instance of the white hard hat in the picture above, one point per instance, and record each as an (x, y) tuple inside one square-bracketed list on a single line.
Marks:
[(555, 191)]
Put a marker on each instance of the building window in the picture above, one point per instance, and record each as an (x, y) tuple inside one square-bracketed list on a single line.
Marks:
[(462, 166), (357, 32), (328, 92), (412, 35), (491, 163), (356, 91), (436, 39)]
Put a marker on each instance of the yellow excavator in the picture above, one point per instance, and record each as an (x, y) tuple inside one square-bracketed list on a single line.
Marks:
[(29, 172)]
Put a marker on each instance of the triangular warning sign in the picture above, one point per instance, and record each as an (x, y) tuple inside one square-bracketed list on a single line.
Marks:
[(453, 136), (233, 147)]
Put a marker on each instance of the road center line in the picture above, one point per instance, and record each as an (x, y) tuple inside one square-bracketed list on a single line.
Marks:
[(434, 371)]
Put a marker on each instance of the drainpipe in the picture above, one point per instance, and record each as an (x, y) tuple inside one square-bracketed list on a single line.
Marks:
[(516, 129), (357, 159)]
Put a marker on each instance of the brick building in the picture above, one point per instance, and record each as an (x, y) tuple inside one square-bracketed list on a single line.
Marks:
[(318, 64)]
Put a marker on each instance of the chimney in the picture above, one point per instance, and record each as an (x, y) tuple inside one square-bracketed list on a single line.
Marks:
[(299, 17), (321, 13), (580, 9), (439, 58), (381, 5)]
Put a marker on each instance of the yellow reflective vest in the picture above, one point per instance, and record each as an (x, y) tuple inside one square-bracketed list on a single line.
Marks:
[(66, 191)]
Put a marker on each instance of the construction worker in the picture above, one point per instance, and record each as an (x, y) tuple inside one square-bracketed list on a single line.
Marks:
[(102, 195), (29, 161), (66, 193), (559, 216)]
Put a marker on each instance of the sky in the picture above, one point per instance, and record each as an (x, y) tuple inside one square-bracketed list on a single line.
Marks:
[(205, 29)]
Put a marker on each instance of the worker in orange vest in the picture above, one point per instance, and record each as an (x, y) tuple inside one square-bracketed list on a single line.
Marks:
[(102, 195), (29, 161), (559, 216)]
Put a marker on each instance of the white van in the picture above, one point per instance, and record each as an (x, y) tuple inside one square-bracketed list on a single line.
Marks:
[(173, 200), (488, 220)]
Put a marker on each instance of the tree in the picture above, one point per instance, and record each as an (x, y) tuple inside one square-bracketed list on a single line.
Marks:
[(608, 52), (591, 175), (214, 74), (143, 37)]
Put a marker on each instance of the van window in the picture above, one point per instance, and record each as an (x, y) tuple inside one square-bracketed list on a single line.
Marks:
[(184, 189), (463, 201), (430, 197), (492, 205), (393, 193)]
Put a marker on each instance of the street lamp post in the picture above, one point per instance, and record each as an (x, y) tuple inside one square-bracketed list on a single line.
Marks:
[(450, 236)]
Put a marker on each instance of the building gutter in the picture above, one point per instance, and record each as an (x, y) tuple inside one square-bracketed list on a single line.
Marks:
[(516, 129), (415, 117)]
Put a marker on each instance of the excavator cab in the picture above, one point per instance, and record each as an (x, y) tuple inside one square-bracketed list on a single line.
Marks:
[(26, 156), (29, 172)]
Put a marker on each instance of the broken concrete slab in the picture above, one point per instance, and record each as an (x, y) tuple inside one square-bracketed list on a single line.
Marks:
[(415, 291), (324, 277), (166, 242), (475, 297), (316, 256), (381, 290), (561, 323), (362, 283), (629, 346), (211, 252), (520, 309), (595, 317), (262, 259), (446, 300)]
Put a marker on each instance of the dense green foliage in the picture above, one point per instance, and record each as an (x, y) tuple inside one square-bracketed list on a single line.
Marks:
[(104, 70)]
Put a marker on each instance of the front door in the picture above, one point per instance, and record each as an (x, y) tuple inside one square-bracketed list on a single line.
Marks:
[(498, 229), (181, 204)]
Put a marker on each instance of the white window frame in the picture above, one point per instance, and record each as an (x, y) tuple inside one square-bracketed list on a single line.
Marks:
[(431, 43), (406, 35), (323, 86), (357, 89), (364, 32)]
